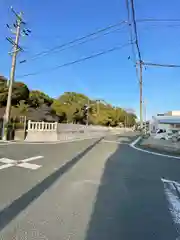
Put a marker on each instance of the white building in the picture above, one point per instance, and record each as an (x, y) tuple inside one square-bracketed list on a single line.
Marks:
[(168, 121)]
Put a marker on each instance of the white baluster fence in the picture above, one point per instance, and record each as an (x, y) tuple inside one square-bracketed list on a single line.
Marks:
[(42, 126), (47, 131)]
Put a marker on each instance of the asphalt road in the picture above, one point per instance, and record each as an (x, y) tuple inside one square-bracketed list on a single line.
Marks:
[(86, 190)]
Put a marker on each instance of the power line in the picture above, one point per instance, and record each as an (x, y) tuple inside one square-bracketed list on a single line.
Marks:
[(130, 30), (76, 61), (140, 63), (76, 44), (61, 47), (158, 20), (161, 65), (135, 29), (131, 37)]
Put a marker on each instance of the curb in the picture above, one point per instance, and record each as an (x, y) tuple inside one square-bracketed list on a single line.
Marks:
[(52, 142), (150, 152)]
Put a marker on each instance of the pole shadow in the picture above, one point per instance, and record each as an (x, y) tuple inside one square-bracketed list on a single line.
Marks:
[(130, 203), (18, 205)]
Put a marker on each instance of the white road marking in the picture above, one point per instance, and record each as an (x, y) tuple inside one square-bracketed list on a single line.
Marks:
[(5, 143), (55, 142), (20, 163), (6, 166), (172, 192), (32, 158), (7, 160), (29, 166), (150, 152), (135, 141), (109, 141)]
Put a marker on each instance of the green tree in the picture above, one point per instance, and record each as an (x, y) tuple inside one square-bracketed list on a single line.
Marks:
[(70, 104), (20, 92), (23, 107), (37, 99)]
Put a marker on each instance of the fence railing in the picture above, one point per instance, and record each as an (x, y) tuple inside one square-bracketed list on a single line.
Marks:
[(41, 126), (64, 128)]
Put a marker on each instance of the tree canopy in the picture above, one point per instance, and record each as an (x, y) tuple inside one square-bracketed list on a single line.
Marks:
[(37, 99), (20, 92), (70, 107)]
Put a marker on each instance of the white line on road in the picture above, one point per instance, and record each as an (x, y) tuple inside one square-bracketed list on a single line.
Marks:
[(32, 158), (7, 160), (53, 142), (172, 192), (6, 166), (29, 165), (20, 163), (109, 141), (135, 141), (150, 152)]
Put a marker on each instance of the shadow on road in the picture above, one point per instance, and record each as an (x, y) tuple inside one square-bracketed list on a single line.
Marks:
[(130, 203), (11, 211)]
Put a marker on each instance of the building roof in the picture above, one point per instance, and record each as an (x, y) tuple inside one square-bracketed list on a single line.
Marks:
[(170, 121), (167, 119)]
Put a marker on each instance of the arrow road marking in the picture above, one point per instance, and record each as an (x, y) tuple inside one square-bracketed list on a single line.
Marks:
[(20, 163)]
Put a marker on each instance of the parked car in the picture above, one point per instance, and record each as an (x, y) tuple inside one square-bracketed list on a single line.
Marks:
[(176, 137), (163, 134)]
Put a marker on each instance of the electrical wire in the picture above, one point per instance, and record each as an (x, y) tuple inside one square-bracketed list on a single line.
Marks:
[(161, 65), (130, 31), (162, 27), (131, 38), (81, 43), (158, 20), (76, 61), (135, 29), (77, 40)]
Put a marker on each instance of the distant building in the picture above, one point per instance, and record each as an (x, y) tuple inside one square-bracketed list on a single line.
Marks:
[(173, 113), (169, 120)]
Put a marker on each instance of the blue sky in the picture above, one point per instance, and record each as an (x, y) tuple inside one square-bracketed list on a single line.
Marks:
[(111, 76)]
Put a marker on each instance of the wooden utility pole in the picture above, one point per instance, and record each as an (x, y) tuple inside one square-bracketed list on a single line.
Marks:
[(13, 67), (145, 117), (97, 103), (15, 50), (141, 96)]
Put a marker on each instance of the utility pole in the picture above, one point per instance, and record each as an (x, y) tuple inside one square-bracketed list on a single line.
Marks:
[(141, 96), (97, 104), (15, 50), (88, 106), (145, 118)]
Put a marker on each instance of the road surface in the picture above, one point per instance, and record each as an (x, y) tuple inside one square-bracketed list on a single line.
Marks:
[(86, 190)]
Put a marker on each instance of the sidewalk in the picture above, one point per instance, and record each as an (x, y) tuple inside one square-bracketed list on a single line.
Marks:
[(164, 146)]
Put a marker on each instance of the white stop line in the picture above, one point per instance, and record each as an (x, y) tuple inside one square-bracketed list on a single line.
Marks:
[(20, 163)]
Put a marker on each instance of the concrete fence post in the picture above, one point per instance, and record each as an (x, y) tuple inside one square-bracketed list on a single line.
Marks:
[(42, 126), (56, 126), (29, 124)]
